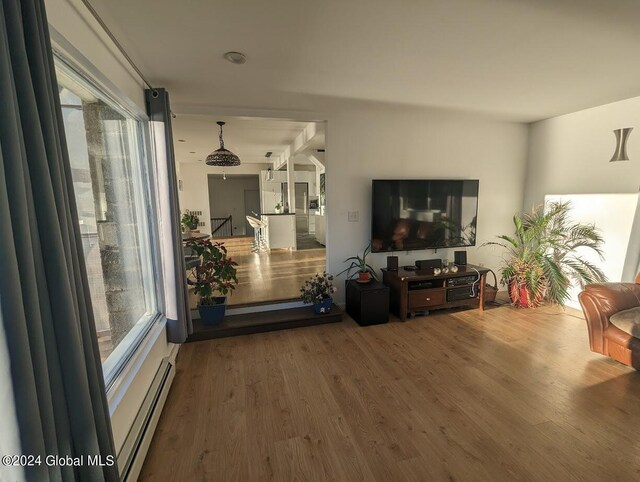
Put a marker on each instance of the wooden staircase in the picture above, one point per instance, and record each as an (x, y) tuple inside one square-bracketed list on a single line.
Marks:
[(236, 245)]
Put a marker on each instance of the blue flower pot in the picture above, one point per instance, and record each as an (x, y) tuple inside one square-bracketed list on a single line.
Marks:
[(323, 306), (213, 314)]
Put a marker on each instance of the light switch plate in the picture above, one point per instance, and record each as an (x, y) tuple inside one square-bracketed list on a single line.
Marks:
[(353, 216)]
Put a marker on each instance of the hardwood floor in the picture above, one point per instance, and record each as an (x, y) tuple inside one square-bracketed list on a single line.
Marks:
[(505, 395), (273, 276)]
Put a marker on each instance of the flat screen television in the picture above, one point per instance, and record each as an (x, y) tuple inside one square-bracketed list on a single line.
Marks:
[(423, 214)]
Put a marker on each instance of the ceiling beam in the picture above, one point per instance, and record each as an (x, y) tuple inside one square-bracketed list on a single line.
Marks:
[(299, 144)]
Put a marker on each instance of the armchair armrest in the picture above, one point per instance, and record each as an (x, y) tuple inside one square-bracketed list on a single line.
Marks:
[(600, 301)]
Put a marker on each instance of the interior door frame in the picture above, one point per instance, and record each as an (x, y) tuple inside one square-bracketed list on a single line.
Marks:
[(248, 227)]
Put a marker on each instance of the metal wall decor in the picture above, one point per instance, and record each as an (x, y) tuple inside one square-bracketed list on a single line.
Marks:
[(622, 136), (222, 157)]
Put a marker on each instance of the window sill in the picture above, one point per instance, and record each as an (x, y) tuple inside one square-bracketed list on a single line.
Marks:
[(127, 376)]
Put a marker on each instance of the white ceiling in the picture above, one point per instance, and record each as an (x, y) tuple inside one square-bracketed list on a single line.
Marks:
[(248, 138), (521, 60)]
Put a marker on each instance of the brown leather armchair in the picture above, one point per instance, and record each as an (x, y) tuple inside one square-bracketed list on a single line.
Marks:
[(612, 311)]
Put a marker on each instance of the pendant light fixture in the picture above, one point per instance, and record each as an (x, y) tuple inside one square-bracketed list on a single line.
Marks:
[(222, 157)]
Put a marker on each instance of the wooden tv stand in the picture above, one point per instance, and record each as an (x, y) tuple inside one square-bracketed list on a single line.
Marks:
[(421, 290)]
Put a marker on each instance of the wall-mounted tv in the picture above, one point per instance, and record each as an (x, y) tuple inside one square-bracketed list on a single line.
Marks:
[(423, 214)]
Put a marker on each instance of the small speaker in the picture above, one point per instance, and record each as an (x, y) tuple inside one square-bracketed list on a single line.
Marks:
[(428, 263), (392, 263), (460, 258)]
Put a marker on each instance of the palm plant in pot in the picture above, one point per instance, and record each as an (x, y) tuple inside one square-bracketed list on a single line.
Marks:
[(544, 255), (213, 279), (360, 267)]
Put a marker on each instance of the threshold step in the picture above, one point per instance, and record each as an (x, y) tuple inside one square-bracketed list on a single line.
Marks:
[(264, 321), (263, 303)]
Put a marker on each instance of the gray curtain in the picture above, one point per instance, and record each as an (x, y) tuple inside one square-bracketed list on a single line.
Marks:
[(44, 296), (179, 324)]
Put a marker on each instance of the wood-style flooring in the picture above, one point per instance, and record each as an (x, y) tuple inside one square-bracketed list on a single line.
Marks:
[(457, 395), (273, 276)]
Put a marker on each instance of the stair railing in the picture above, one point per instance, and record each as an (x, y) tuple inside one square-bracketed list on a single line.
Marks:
[(222, 227)]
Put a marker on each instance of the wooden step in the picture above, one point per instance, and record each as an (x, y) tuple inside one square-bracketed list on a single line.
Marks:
[(236, 245), (246, 324), (235, 240)]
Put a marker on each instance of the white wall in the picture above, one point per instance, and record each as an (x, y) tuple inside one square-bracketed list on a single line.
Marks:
[(75, 23), (614, 215), (226, 197), (570, 154), (195, 186), (370, 142), (365, 141), (271, 191), (310, 178)]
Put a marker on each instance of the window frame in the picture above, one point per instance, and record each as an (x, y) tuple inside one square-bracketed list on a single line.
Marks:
[(118, 374)]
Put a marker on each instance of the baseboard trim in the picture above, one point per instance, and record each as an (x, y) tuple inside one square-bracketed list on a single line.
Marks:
[(136, 445)]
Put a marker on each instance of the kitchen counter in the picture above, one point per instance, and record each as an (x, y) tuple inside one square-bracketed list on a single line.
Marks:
[(280, 231)]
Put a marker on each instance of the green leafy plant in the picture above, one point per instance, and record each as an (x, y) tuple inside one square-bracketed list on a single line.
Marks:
[(359, 265), (543, 255), (189, 221), (318, 288), (217, 272), (456, 234)]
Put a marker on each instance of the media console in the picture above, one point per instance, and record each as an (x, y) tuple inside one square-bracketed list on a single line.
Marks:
[(421, 290)]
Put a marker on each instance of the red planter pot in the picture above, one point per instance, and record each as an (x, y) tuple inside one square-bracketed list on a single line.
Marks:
[(519, 292)]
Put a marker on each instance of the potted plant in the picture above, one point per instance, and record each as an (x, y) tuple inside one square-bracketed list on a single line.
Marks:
[(360, 267), (278, 208), (542, 258), (189, 222), (318, 290), (215, 275)]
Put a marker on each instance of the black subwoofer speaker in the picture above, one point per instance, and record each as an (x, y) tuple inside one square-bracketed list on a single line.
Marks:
[(460, 258), (392, 263), (367, 303), (428, 263)]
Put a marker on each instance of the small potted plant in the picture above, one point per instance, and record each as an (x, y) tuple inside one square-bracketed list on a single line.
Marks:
[(318, 290), (360, 267), (215, 275), (278, 208), (189, 222)]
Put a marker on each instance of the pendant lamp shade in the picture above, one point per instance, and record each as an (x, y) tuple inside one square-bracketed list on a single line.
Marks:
[(222, 157)]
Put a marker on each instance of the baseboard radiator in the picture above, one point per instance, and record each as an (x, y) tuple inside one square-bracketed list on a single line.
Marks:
[(135, 447)]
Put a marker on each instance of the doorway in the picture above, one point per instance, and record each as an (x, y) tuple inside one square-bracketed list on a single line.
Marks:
[(234, 197), (251, 207), (302, 206), (307, 223), (290, 247)]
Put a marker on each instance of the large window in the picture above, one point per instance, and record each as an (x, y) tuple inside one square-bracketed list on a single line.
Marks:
[(108, 149)]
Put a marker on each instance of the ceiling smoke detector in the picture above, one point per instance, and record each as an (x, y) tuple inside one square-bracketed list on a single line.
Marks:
[(235, 57)]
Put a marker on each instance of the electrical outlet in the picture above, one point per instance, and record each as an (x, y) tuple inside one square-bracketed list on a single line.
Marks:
[(353, 216)]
